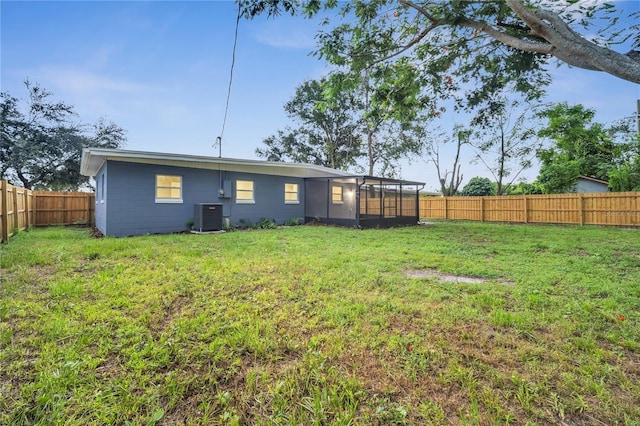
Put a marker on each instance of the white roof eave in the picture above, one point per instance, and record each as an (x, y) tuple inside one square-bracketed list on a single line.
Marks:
[(93, 158)]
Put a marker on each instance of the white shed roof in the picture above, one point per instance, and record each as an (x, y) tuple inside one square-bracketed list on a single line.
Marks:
[(93, 158)]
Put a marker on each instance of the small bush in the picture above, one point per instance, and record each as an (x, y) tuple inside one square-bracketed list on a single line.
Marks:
[(294, 221), (265, 223)]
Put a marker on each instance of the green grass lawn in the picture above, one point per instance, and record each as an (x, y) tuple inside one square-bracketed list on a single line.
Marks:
[(322, 325)]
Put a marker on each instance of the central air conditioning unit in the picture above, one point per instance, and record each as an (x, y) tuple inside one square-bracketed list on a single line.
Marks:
[(207, 217)]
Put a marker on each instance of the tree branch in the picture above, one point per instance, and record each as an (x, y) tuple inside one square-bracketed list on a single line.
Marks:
[(574, 49)]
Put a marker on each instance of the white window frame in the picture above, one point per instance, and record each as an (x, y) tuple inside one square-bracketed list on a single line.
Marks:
[(168, 200), (242, 195), (290, 191), (102, 188), (334, 193)]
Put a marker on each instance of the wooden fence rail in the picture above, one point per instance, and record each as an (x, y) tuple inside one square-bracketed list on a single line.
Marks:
[(607, 208), (22, 208)]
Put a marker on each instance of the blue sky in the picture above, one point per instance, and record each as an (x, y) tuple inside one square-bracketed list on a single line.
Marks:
[(160, 70)]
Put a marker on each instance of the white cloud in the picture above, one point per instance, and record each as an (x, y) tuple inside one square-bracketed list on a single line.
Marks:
[(83, 81), (286, 38)]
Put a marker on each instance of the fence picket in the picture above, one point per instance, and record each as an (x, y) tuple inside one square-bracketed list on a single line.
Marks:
[(607, 208), (22, 208)]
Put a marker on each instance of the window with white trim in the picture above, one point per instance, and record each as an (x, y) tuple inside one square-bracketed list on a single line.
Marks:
[(291, 193), (168, 189), (102, 188), (244, 192), (337, 195)]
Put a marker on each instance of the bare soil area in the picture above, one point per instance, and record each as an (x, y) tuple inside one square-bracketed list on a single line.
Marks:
[(450, 278)]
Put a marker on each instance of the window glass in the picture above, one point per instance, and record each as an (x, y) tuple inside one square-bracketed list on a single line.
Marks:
[(102, 187), (291, 193), (336, 195), (244, 191), (168, 188)]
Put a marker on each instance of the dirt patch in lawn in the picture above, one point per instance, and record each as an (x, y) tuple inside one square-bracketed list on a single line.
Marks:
[(451, 278)]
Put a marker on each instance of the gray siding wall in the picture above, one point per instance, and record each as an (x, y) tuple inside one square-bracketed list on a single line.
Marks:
[(588, 186), (130, 207), (268, 193), (317, 193)]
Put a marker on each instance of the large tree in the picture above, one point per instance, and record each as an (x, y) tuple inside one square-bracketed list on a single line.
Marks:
[(507, 145), (41, 142), (539, 27), (626, 177), (473, 52), (341, 121), (578, 147), (326, 135), (390, 101), (435, 142)]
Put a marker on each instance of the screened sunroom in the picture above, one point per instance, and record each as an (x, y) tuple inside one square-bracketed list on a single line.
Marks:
[(362, 201)]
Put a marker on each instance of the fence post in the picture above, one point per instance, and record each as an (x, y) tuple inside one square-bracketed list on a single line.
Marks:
[(27, 213), (581, 208), (446, 212), (88, 199), (65, 214), (5, 211), (481, 209), (526, 209), (16, 213)]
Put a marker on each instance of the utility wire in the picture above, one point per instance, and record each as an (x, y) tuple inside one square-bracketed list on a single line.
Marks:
[(233, 61)]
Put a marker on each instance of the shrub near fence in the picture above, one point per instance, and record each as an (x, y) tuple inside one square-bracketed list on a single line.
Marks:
[(22, 208), (607, 208)]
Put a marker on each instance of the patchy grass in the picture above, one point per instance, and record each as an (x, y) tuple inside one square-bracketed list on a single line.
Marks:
[(321, 325)]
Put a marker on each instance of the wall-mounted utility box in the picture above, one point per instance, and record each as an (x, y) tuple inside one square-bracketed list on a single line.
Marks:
[(207, 217), (225, 190)]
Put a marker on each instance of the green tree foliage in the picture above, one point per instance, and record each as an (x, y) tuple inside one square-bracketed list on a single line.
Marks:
[(41, 143), (340, 123), (326, 135), (525, 188), (579, 147), (627, 176), (473, 51), (390, 125), (478, 186)]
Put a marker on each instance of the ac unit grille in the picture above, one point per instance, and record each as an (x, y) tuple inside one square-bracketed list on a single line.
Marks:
[(207, 217)]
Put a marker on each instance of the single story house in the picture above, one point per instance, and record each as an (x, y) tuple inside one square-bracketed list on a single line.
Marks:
[(586, 184), (153, 193)]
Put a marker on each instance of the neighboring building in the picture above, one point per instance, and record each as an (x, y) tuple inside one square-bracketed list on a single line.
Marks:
[(150, 193), (585, 184)]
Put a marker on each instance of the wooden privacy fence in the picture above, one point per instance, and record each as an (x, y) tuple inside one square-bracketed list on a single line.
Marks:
[(22, 208), (607, 208), (64, 208), (16, 209)]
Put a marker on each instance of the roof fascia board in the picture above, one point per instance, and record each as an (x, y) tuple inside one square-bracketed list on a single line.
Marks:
[(604, 182), (93, 157)]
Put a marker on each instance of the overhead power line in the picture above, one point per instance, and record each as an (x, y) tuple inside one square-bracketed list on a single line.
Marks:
[(233, 62)]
